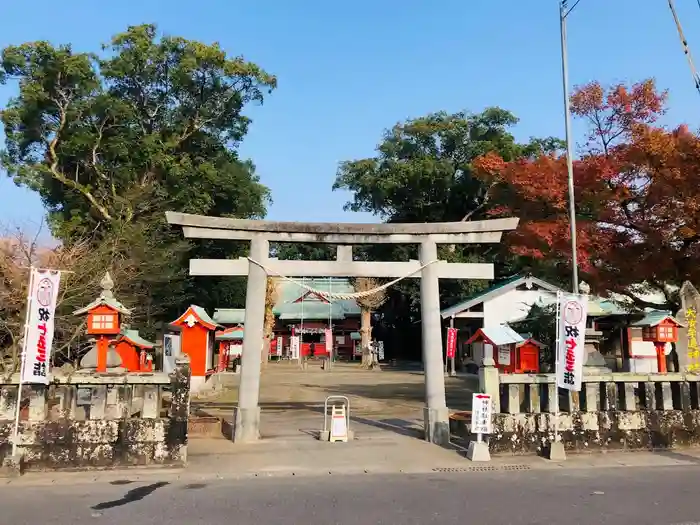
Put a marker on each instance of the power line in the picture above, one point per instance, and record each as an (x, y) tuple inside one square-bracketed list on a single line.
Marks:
[(684, 44), (566, 10)]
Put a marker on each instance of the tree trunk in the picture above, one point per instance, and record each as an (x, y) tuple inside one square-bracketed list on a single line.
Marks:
[(366, 337), (265, 352)]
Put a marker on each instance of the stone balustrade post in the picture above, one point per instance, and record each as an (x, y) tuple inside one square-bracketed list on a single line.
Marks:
[(179, 411), (489, 382), (534, 398)]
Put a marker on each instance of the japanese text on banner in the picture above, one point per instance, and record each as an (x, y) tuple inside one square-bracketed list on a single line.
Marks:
[(570, 346), (451, 342), (42, 308)]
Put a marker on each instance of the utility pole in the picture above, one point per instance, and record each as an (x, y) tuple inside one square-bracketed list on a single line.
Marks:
[(563, 13)]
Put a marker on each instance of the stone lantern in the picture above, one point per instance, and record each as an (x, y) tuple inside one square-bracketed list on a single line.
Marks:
[(104, 319)]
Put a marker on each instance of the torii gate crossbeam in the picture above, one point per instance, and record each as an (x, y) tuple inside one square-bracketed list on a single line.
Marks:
[(261, 233)]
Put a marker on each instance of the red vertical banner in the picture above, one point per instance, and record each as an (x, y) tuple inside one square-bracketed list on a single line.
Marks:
[(451, 342)]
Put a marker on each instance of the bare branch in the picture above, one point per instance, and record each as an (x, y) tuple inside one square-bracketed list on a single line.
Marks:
[(54, 162)]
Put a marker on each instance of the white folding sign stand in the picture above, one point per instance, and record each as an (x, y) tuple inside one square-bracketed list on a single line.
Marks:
[(338, 428), (482, 410)]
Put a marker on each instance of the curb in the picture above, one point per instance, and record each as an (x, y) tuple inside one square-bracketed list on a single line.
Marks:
[(127, 476)]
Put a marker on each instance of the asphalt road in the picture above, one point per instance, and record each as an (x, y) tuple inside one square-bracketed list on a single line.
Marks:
[(637, 496)]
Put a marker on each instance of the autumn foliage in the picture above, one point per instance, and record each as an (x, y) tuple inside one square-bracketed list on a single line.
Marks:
[(637, 188)]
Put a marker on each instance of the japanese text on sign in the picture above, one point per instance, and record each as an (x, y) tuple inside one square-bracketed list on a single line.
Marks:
[(482, 409), (693, 349), (294, 347), (40, 328), (572, 312)]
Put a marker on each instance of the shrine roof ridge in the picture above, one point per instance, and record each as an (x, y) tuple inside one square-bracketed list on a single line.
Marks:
[(340, 228)]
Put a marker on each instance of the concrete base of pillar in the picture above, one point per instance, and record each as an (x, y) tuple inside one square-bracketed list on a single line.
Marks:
[(12, 466), (246, 426), (556, 451), (478, 451), (436, 422)]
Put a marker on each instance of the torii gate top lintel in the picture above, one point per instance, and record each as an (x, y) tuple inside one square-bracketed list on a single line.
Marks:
[(202, 226), (342, 234)]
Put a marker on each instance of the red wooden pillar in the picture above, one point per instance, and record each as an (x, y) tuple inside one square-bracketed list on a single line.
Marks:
[(223, 356), (661, 358), (102, 348)]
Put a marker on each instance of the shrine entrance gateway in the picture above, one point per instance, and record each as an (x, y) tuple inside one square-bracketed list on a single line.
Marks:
[(429, 269)]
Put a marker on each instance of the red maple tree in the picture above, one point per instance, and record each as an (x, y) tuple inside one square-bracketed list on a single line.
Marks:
[(637, 187)]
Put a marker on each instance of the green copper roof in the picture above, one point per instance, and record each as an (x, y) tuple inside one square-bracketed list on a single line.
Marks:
[(314, 307), (234, 335), (104, 300), (134, 337), (654, 317), (496, 290), (598, 307), (203, 315), (229, 315)]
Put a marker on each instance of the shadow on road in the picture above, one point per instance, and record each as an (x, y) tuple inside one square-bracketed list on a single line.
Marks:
[(133, 495), (678, 455), (398, 426), (281, 406)]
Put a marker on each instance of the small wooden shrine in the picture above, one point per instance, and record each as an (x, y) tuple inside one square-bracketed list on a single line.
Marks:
[(197, 340), (527, 356), (651, 340), (511, 353), (115, 345), (135, 351), (230, 346)]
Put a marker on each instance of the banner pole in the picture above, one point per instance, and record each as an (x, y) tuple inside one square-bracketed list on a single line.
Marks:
[(23, 355), (556, 369), (453, 370)]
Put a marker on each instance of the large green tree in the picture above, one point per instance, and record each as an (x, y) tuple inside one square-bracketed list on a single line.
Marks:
[(112, 140), (422, 172)]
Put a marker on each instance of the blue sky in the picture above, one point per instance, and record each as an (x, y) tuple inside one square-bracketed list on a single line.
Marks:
[(348, 70)]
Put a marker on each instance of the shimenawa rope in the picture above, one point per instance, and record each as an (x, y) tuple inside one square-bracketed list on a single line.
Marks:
[(342, 296)]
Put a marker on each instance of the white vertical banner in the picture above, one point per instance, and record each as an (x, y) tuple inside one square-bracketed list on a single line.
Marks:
[(571, 334), (294, 347), (328, 334), (41, 305)]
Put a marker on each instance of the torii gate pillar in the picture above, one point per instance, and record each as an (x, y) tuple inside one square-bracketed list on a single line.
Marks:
[(436, 420), (247, 413)]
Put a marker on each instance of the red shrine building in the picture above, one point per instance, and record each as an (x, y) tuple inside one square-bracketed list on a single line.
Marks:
[(197, 332), (321, 324), (115, 345), (230, 347), (651, 340)]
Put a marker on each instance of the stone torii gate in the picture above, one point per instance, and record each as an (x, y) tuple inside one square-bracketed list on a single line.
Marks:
[(260, 233)]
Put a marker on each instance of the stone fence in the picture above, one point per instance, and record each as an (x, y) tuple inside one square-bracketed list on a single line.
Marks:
[(612, 411), (97, 420)]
